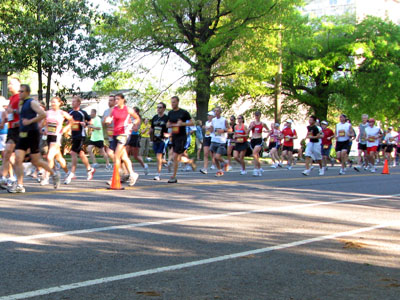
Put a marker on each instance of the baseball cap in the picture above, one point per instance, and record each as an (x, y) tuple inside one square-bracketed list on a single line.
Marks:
[(277, 124), (371, 120), (324, 122), (211, 113), (289, 121)]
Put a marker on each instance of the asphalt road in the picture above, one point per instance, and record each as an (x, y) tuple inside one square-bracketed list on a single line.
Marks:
[(279, 236)]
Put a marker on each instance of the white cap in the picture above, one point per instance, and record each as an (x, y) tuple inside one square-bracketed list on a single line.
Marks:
[(211, 113), (289, 121)]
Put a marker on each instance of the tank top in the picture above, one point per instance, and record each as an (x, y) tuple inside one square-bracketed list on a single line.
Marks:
[(121, 119), (257, 128), (240, 134), (219, 124), (274, 137), (231, 131), (27, 113), (55, 120), (208, 133), (343, 131)]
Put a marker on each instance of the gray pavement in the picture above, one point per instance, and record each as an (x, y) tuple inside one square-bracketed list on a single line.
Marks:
[(279, 236)]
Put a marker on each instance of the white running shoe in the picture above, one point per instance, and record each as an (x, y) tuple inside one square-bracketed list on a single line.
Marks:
[(373, 170), (90, 173), (146, 169), (342, 172), (213, 167), (56, 179), (306, 172), (133, 178), (261, 170), (16, 188), (69, 178), (289, 167), (256, 172), (157, 178), (321, 171), (274, 166), (203, 171), (243, 172), (357, 168), (45, 181), (230, 168)]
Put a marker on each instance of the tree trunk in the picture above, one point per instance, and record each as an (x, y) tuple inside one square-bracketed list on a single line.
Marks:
[(203, 92), (40, 79), (321, 109), (48, 88), (278, 82)]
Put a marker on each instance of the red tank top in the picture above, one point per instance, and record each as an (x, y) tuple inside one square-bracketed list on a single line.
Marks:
[(121, 120), (257, 128), (239, 132)]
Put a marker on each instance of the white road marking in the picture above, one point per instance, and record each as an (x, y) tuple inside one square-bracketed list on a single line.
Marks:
[(181, 220), (191, 264)]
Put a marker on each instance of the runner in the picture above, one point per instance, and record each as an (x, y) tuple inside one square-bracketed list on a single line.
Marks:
[(189, 164), (3, 125), (362, 144), (133, 145), (241, 134), (207, 142), (121, 117), (256, 127), (273, 146), (159, 131), (145, 139), (372, 135), (199, 138), (97, 139), (80, 120), (109, 128), (390, 139), (230, 141), (326, 144), (219, 126), (397, 154), (178, 119), (13, 132), (343, 133), (289, 135), (313, 147), (31, 113), (54, 131)]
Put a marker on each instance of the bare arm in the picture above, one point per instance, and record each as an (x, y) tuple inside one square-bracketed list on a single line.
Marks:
[(41, 114)]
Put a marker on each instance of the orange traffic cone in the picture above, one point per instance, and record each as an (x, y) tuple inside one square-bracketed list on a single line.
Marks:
[(116, 181), (386, 167)]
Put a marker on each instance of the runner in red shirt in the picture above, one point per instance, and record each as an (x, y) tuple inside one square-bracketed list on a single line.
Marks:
[(289, 134), (326, 144), (13, 132)]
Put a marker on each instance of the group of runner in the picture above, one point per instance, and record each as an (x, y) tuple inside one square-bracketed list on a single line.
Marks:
[(27, 125)]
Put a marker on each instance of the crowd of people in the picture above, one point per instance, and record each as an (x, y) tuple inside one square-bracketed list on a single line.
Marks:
[(26, 127)]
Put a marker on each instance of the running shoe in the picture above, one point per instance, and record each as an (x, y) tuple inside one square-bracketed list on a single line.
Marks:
[(289, 167), (203, 171), (157, 178), (219, 174), (90, 174), (280, 165), (213, 167), (109, 167), (321, 172), (16, 188), (69, 178), (357, 168), (229, 168), (95, 166), (45, 181), (3, 183), (56, 179), (373, 170), (133, 178), (146, 169), (261, 170), (306, 172), (342, 172), (256, 172), (169, 165), (274, 166), (173, 180), (39, 177), (243, 172)]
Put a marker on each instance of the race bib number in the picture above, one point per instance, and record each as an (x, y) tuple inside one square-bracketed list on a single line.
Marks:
[(216, 132), (391, 139), (157, 131), (362, 139), (257, 129), (122, 139), (10, 117), (175, 129), (287, 138), (342, 133), (271, 140), (326, 146), (51, 127), (371, 139), (110, 132), (240, 140), (23, 134), (208, 133), (76, 126)]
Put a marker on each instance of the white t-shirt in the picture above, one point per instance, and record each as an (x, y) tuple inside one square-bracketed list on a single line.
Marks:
[(208, 133), (219, 124), (372, 136), (390, 138), (343, 131)]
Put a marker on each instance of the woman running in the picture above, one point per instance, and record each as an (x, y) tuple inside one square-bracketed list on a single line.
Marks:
[(256, 127), (231, 140), (54, 131), (241, 134), (274, 144), (121, 116), (207, 142)]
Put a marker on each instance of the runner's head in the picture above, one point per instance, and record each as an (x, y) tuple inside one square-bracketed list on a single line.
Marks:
[(371, 122), (13, 85), (210, 115), (120, 99), (390, 129), (289, 123), (217, 111), (93, 113), (175, 102), (55, 103), (199, 123), (324, 124), (111, 101), (364, 118), (76, 102), (343, 118), (276, 125), (233, 119), (161, 108), (240, 119), (257, 115), (24, 91), (312, 120)]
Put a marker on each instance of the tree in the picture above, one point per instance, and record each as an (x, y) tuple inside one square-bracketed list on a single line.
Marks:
[(200, 32), (53, 37)]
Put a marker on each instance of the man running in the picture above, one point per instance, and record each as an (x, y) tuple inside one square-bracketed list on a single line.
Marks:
[(30, 115), (256, 127), (97, 139), (326, 144), (372, 135), (362, 144), (313, 147), (289, 135), (178, 119), (343, 133), (159, 131), (207, 142), (80, 120), (13, 131), (219, 126)]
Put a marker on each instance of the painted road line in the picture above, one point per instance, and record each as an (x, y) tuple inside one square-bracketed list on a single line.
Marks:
[(182, 220), (76, 285)]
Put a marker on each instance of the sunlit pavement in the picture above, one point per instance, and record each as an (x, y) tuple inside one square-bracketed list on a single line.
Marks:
[(279, 236)]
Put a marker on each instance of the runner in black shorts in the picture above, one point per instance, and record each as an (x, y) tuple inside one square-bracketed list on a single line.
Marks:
[(207, 142), (241, 134)]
